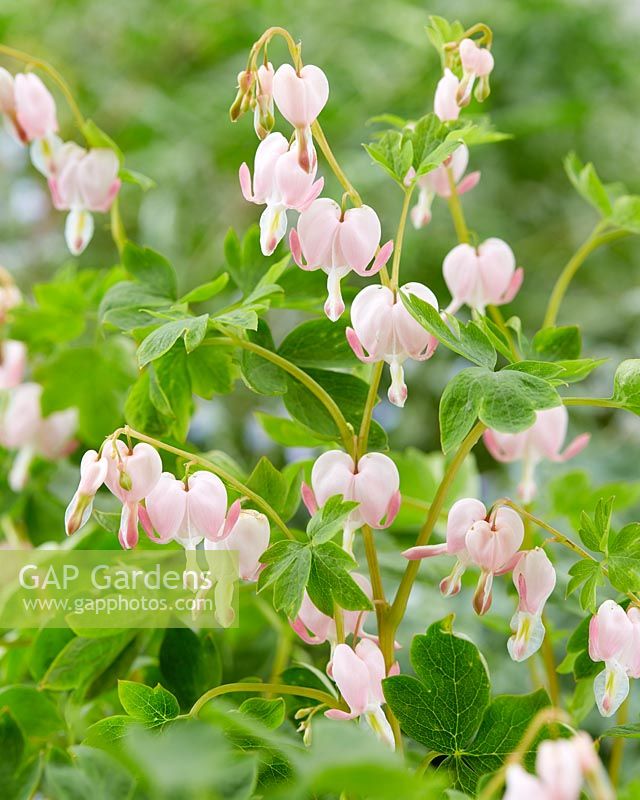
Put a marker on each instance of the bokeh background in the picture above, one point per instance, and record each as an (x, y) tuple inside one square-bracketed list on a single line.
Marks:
[(159, 77)]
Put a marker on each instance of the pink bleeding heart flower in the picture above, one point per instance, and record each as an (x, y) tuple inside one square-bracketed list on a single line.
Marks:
[(132, 474), (614, 637), (10, 295), (82, 182), (445, 102), (374, 484), (383, 330), (481, 276), (358, 675), (281, 184), (477, 62), (25, 429), (437, 183), (13, 363), (542, 441), (189, 511), (535, 578), (463, 514), (249, 537), (93, 472), (314, 627), (300, 97), (35, 107), (337, 242), (493, 545), (263, 120)]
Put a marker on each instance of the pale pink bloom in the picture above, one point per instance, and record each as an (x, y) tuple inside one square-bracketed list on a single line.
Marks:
[(314, 627), (10, 295), (374, 484), (83, 181), (535, 578), (300, 97), (614, 637), (337, 242), (35, 107), (189, 511), (249, 538), (522, 785), (481, 276), (592, 767), (13, 363), (23, 428), (436, 182), (93, 471), (358, 675), (132, 474), (263, 120), (477, 62), (445, 103), (542, 441), (281, 184), (383, 330)]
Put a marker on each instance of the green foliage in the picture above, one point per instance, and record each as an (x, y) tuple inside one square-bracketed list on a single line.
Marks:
[(189, 664), (152, 706), (280, 489), (626, 385)]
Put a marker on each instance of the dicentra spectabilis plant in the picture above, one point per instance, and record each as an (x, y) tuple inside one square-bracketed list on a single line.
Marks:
[(328, 534)]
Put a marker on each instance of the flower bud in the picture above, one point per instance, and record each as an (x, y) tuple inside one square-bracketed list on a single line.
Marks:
[(240, 103), (93, 471), (264, 120), (535, 578)]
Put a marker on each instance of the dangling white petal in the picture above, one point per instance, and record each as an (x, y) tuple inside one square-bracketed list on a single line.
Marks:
[(398, 390), (78, 230), (380, 726), (528, 636), (273, 226), (610, 688), (20, 469), (334, 305), (42, 152), (348, 534)]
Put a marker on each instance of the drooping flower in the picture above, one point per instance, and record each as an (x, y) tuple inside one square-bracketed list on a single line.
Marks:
[(263, 120), (189, 511), (477, 62), (93, 472), (383, 330), (23, 428), (281, 184), (13, 363), (82, 182), (249, 537), (300, 97), (436, 182), (614, 637), (542, 441), (535, 578), (481, 276), (445, 102), (132, 474), (358, 674), (374, 483), (337, 242)]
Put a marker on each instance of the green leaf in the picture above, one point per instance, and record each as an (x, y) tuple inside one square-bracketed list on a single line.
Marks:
[(151, 269), (154, 706), (269, 483), (624, 559), (626, 213), (82, 660), (505, 400), (93, 774), (47, 644), (465, 339), (394, 153), (270, 713), (32, 710), (191, 329), (129, 305), (330, 583), (318, 343), (586, 182), (288, 432), (260, 374), (96, 137), (329, 519), (189, 665), (206, 290), (288, 567), (557, 344), (141, 412), (137, 178), (631, 731), (626, 385), (12, 747), (171, 374), (212, 370), (109, 731)]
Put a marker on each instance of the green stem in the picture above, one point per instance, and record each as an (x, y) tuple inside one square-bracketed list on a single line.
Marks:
[(346, 431), (496, 316), (221, 473), (264, 688), (118, 232), (367, 414), (600, 402), (455, 207), (402, 224), (597, 238), (546, 651), (321, 139), (617, 749)]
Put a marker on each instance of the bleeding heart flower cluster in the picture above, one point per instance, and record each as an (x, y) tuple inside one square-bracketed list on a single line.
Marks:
[(80, 181), (454, 93), (491, 541)]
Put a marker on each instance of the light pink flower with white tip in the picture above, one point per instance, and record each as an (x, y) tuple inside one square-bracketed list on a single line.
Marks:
[(82, 182), (535, 578), (614, 637), (477, 62), (25, 429), (249, 537), (445, 102), (189, 511), (300, 97), (358, 675), (481, 276), (13, 363), (383, 330), (132, 474), (281, 184), (10, 295), (263, 120), (542, 441), (374, 484), (337, 242), (93, 471), (436, 183)]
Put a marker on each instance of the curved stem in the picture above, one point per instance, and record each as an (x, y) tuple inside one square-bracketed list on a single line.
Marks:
[(345, 430), (402, 224), (264, 688), (367, 414), (600, 402), (617, 749), (221, 473), (455, 207), (118, 232), (594, 240), (321, 139), (55, 76)]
